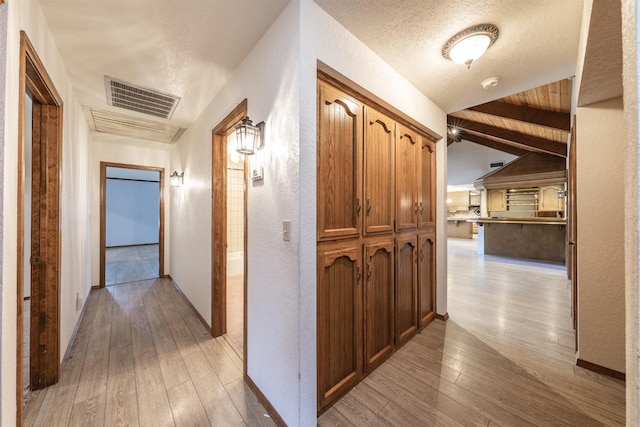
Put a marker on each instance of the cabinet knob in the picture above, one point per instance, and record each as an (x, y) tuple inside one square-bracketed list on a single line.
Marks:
[(358, 275), (368, 206), (358, 207)]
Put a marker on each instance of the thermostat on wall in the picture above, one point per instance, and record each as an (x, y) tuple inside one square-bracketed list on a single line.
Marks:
[(257, 173)]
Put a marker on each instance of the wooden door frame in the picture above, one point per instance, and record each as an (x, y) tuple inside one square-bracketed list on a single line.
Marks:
[(103, 215), (219, 228), (35, 80), (572, 228)]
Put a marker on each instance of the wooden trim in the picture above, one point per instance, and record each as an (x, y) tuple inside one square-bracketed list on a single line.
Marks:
[(275, 416), (328, 74), (601, 369), (502, 146), (131, 246), (33, 78), (443, 317), (196, 312), (103, 215), (134, 180), (219, 220), (536, 116)]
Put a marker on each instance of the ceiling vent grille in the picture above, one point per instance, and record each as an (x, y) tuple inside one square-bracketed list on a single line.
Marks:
[(142, 100), (133, 127)]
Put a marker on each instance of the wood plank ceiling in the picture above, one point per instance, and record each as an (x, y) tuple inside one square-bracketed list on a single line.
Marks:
[(536, 120)]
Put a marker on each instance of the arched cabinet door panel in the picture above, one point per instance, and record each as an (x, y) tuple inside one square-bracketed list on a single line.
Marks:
[(426, 280), (339, 320), (406, 294)]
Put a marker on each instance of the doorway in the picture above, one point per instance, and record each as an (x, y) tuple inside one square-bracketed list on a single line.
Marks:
[(38, 228), (131, 223), (229, 237)]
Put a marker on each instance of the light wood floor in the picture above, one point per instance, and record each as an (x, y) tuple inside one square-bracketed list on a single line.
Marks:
[(131, 264), (141, 357), (505, 357)]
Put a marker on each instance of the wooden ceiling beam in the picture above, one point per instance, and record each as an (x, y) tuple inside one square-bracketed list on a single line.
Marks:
[(535, 116), (540, 144), (501, 146)]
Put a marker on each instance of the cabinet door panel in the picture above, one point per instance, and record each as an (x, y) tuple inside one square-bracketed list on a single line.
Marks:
[(339, 321), (379, 147), (426, 280), (408, 145), (427, 193), (496, 200), (549, 200), (339, 164), (378, 303), (406, 289)]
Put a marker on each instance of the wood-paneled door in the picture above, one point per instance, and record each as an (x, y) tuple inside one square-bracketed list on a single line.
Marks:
[(378, 302), (339, 320), (426, 279), (427, 193), (408, 145), (379, 172), (44, 222), (339, 184), (406, 292)]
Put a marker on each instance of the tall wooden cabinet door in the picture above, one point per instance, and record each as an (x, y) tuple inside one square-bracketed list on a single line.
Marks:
[(406, 301), (339, 320), (426, 280), (379, 147), (378, 303), (339, 164), (408, 144), (427, 193)]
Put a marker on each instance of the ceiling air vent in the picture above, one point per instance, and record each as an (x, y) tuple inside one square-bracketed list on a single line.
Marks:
[(134, 127), (136, 98)]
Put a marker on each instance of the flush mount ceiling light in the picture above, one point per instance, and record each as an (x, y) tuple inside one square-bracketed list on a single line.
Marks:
[(469, 45)]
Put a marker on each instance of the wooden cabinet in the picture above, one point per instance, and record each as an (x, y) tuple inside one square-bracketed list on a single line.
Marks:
[(378, 302), (376, 222), (379, 151), (408, 146), (426, 280), (406, 301), (339, 188), (496, 200), (549, 200), (339, 320), (427, 193)]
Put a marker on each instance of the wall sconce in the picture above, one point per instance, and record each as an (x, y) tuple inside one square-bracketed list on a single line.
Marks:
[(469, 45), (249, 137), (177, 179)]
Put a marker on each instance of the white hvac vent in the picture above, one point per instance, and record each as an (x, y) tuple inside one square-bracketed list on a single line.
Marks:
[(137, 98), (134, 127)]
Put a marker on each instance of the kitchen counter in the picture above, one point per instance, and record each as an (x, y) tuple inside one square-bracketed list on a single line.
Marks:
[(460, 227), (541, 239)]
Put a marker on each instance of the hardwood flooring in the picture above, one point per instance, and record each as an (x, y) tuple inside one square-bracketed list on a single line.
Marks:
[(504, 357), (131, 264), (141, 357)]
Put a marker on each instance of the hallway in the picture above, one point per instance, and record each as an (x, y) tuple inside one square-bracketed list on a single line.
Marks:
[(504, 357), (141, 357)]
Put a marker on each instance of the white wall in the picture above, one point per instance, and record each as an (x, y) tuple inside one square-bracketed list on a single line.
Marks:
[(3, 72), (132, 212), (324, 39), (601, 233), (467, 161), (26, 15), (630, 45), (130, 151)]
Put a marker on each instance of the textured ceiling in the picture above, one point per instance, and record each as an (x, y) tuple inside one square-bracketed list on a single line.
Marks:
[(538, 43), (187, 48)]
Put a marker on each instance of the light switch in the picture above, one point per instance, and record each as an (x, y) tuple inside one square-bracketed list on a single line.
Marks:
[(286, 229)]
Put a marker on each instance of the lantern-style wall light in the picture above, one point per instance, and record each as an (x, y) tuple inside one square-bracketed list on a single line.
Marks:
[(177, 179), (249, 137)]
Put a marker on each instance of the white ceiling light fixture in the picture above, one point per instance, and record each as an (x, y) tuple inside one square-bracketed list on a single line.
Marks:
[(469, 45)]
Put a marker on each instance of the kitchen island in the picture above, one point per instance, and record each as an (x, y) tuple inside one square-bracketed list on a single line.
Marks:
[(535, 238)]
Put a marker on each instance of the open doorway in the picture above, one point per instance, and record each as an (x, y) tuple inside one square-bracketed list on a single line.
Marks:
[(38, 228), (229, 237), (131, 231)]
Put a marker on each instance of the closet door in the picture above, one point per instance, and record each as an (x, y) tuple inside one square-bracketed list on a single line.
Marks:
[(427, 193), (339, 164), (426, 280), (379, 147), (339, 320), (408, 145), (378, 303), (406, 301)]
